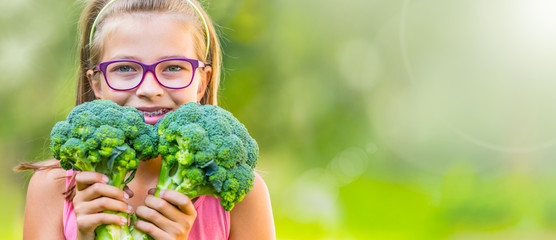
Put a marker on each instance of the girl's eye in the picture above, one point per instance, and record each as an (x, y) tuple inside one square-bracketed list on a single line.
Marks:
[(124, 69), (173, 68)]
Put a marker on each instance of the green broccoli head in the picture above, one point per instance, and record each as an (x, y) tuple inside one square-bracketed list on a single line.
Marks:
[(206, 151), (104, 137)]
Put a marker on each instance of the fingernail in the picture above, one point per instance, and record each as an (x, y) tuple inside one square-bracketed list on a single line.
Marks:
[(129, 208), (105, 179), (126, 196), (124, 220), (161, 193)]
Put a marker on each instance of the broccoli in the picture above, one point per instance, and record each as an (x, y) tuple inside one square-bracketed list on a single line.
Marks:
[(206, 151), (104, 137)]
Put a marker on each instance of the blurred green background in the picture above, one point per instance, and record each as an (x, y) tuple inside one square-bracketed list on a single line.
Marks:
[(398, 119)]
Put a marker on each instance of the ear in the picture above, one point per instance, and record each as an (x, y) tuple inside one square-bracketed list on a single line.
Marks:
[(206, 74), (94, 83)]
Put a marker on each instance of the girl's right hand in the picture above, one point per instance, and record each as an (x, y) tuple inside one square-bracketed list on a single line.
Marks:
[(93, 195)]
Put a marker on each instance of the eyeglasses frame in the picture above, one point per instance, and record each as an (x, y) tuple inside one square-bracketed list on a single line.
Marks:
[(101, 67)]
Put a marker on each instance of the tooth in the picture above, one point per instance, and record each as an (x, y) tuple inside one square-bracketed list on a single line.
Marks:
[(155, 113)]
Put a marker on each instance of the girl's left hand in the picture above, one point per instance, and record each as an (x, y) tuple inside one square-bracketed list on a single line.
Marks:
[(170, 216)]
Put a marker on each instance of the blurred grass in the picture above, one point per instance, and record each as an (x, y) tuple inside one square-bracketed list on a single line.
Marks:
[(376, 119)]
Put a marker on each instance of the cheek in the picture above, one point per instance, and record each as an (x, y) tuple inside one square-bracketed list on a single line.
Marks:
[(118, 97), (186, 95)]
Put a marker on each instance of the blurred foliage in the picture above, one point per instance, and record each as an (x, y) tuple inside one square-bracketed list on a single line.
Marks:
[(401, 119)]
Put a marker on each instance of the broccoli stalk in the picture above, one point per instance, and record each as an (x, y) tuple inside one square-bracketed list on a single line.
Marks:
[(104, 137), (205, 150)]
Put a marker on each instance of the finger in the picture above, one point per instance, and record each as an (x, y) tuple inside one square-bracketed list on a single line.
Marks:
[(89, 222), (100, 189), (151, 229), (180, 200), (85, 179), (155, 217), (101, 204), (164, 208)]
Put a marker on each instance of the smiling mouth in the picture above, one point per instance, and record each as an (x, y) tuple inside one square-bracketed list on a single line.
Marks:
[(155, 113)]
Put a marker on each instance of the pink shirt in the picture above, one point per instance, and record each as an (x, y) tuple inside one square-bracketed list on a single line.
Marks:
[(212, 221)]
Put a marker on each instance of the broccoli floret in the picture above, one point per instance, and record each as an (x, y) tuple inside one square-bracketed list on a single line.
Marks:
[(104, 137), (205, 150)]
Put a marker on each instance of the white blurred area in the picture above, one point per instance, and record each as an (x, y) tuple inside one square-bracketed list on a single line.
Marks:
[(483, 83)]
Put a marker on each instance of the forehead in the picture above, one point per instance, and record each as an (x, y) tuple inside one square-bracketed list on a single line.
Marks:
[(147, 37)]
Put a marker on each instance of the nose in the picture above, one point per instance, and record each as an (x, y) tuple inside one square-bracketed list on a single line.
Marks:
[(149, 88)]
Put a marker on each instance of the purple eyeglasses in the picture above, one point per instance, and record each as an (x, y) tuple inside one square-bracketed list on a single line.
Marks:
[(172, 73)]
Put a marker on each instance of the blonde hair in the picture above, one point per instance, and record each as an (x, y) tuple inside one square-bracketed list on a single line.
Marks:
[(91, 51)]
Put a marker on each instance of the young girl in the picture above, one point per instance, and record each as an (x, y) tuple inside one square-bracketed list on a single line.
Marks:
[(151, 36)]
